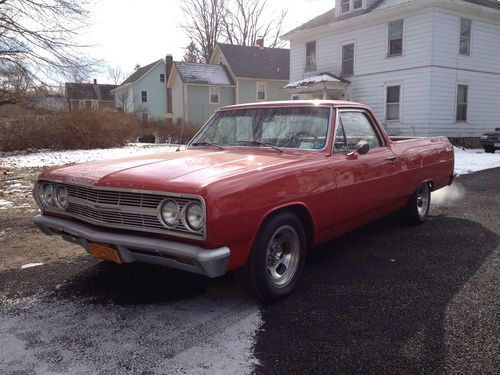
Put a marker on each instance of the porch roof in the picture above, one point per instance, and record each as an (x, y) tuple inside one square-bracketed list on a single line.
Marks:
[(320, 79)]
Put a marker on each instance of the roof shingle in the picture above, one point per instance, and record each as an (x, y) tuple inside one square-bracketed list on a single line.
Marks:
[(139, 73), (329, 16), (255, 62), (204, 74), (81, 91)]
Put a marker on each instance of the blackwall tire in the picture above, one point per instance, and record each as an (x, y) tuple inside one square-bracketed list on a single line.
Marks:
[(276, 261), (417, 209)]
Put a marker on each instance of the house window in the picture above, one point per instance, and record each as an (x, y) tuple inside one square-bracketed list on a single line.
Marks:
[(395, 47), (261, 91), (295, 97), (346, 6), (311, 56), (358, 4), (462, 96), (214, 95), (162, 77), (392, 106), (348, 59), (465, 31), (144, 96)]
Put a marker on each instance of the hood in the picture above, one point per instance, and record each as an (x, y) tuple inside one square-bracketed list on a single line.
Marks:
[(191, 169)]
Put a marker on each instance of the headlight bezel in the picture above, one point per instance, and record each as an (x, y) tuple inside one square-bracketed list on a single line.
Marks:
[(160, 213), (57, 199), (46, 202), (50, 202), (186, 220)]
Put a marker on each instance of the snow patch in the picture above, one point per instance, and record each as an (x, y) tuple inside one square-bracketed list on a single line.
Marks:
[(473, 160), (212, 333), (47, 158), (30, 265), (5, 204)]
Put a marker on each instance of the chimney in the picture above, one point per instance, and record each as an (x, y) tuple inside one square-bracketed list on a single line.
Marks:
[(95, 81), (260, 43), (169, 63)]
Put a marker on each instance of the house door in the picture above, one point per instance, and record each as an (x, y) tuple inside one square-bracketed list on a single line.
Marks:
[(366, 184)]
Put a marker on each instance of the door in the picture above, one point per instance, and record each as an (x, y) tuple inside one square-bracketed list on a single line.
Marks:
[(366, 184)]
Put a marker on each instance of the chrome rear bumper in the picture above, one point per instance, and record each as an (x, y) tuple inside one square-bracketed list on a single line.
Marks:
[(132, 248)]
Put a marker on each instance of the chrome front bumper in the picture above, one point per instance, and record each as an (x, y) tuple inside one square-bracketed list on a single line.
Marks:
[(131, 248)]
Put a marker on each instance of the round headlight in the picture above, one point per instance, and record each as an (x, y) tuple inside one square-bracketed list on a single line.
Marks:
[(61, 197), (195, 217), (47, 191), (169, 212)]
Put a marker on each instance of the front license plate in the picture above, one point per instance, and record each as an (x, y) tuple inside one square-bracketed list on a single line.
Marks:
[(497, 144), (104, 252)]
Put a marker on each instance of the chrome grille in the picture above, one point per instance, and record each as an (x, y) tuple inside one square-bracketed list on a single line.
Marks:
[(122, 209), (116, 198)]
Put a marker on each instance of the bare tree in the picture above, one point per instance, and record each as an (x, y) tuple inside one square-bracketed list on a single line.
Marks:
[(192, 54), (116, 74), (15, 83), (240, 22), (204, 20), (37, 37), (246, 21)]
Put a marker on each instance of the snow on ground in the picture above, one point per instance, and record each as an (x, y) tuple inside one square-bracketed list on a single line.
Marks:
[(5, 204), (210, 334), (473, 160), (48, 158)]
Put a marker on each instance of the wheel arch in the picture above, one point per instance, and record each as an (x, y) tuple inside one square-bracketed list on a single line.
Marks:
[(301, 211)]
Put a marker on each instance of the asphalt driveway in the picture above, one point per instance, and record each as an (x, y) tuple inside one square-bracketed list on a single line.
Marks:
[(392, 299), (385, 299)]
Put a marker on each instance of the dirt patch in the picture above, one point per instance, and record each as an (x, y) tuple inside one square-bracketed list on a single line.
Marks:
[(21, 242)]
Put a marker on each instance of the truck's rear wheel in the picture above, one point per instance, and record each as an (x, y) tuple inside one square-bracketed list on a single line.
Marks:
[(277, 259), (417, 209)]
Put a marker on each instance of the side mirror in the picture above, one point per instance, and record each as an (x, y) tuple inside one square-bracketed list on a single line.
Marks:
[(361, 148)]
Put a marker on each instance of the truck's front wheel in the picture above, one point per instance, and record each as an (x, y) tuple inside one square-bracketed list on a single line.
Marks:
[(277, 259)]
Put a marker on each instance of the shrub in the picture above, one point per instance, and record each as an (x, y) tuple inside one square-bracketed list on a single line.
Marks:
[(166, 131), (67, 130)]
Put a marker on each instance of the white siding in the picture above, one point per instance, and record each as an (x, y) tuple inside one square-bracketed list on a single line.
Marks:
[(370, 48), (429, 70), (414, 98), (480, 71)]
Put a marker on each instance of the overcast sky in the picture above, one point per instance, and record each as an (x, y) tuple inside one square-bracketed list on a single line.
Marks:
[(127, 32)]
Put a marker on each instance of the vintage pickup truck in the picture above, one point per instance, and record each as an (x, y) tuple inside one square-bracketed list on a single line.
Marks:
[(255, 189)]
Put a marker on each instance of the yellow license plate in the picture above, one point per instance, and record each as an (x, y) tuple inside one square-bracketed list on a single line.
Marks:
[(104, 252)]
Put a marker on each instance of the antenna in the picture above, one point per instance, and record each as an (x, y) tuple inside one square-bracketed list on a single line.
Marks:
[(182, 132)]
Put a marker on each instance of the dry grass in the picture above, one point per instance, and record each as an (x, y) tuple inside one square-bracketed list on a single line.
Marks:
[(67, 130), (23, 129)]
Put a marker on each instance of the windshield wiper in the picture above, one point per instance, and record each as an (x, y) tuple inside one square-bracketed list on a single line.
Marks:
[(207, 144), (261, 143)]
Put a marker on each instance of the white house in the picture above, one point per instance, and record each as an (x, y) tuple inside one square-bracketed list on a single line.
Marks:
[(426, 67)]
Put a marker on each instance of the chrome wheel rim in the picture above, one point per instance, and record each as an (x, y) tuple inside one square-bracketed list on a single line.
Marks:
[(423, 199), (283, 255)]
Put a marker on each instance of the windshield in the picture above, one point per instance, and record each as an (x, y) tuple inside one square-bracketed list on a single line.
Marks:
[(297, 127)]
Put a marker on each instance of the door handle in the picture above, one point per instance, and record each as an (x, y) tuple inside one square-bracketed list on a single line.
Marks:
[(391, 158)]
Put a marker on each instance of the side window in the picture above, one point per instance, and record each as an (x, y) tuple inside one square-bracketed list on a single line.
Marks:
[(356, 127)]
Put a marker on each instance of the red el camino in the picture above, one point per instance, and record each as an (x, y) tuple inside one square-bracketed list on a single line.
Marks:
[(255, 189)]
